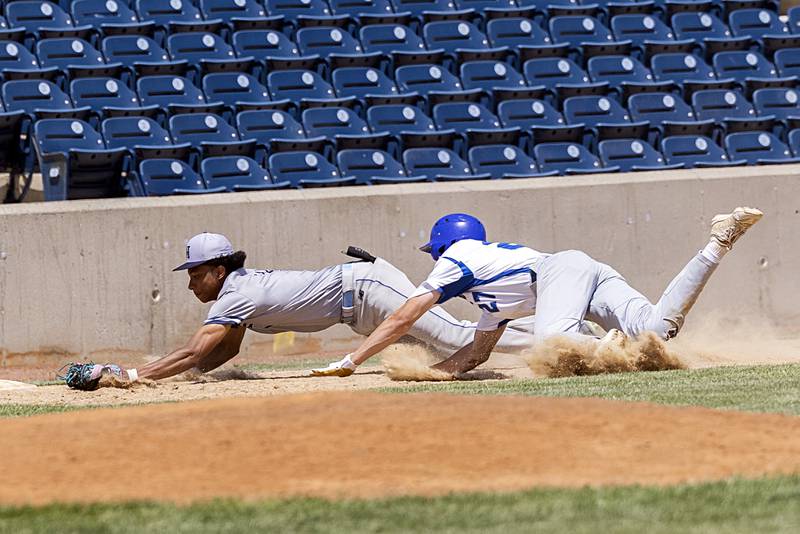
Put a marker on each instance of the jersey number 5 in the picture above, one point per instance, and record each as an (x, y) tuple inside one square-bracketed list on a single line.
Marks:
[(490, 307)]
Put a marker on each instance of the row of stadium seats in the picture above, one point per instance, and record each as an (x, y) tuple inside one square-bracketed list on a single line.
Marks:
[(95, 168)]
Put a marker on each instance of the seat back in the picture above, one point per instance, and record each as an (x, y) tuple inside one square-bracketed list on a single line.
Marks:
[(197, 128), (680, 67), (30, 95), (227, 10), (264, 43), (691, 150), (388, 38), (161, 177), (368, 165), (426, 78), (326, 40), (333, 121), (264, 126), (629, 154), (452, 35), (720, 104), (782, 103), (362, 81), (99, 93), (294, 167), (164, 90), (231, 88), (499, 161), (62, 52), (361, 7), (15, 56), (294, 8), (699, 25), (433, 163), (565, 157), (755, 146), (515, 32), (297, 84), (418, 7), (162, 12), (576, 29), (98, 12), (659, 107), (553, 71), (639, 28), (488, 75), (394, 119), (740, 65), (618, 69), (61, 135), (34, 15), (527, 113), (594, 110), (756, 23), (129, 132), (234, 173), (787, 61), (196, 46), (463, 116), (130, 49)]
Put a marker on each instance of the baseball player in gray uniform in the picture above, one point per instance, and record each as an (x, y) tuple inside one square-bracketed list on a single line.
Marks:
[(508, 281), (360, 294)]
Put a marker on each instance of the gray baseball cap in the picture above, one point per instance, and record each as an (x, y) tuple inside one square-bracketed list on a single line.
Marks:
[(204, 247)]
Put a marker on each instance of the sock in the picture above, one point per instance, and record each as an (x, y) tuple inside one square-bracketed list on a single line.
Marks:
[(714, 252)]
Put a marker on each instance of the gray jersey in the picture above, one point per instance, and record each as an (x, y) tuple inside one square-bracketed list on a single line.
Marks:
[(271, 302)]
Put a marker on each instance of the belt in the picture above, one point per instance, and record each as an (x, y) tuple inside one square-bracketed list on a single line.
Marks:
[(348, 293)]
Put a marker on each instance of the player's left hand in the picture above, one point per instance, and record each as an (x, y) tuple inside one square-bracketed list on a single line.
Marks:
[(90, 376), (342, 368)]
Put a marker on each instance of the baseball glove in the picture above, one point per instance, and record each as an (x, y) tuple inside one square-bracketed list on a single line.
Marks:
[(86, 376)]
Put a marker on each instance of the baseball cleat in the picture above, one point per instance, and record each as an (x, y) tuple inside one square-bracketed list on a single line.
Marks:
[(726, 228)]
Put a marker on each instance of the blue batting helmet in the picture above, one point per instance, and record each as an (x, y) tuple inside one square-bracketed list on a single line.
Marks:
[(451, 228)]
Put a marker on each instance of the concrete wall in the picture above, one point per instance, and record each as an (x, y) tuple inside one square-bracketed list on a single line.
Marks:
[(94, 277)]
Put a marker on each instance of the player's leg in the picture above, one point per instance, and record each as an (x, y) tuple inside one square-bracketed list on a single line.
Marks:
[(385, 288), (617, 305)]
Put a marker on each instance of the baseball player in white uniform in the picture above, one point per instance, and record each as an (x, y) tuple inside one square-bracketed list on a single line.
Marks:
[(360, 294), (508, 281)]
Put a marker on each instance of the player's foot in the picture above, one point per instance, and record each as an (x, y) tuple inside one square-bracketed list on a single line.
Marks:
[(615, 340), (726, 228)]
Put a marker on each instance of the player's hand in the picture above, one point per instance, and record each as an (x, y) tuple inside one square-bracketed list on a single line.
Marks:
[(342, 368)]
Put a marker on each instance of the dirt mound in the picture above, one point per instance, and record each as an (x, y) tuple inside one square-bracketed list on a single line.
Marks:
[(367, 445)]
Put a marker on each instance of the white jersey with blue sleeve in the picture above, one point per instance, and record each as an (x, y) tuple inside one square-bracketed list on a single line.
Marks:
[(497, 277)]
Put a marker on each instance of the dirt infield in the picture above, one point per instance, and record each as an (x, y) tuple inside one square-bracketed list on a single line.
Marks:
[(368, 444)]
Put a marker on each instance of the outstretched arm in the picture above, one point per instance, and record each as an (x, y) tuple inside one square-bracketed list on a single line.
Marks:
[(471, 356), (395, 326), (208, 348)]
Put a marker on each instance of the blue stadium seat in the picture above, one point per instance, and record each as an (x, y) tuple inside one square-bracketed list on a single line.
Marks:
[(424, 79), (708, 30), (489, 75), (794, 19), (438, 164), (361, 82), (164, 12), (594, 110), (793, 139), (371, 167), (632, 155), (354, 8), (206, 52), (237, 173), (680, 67), (781, 103), (639, 28), (106, 97), (721, 104), (454, 36), (390, 38), (502, 161), (140, 54), (37, 15), (567, 158), (209, 135), (516, 32), (267, 125), (758, 148), (396, 118), (98, 13), (292, 9), (75, 162), (555, 72), (657, 108), (483, 5), (306, 169), (787, 61), (35, 97), (15, 57), (231, 10), (326, 40), (741, 66), (620, 72), (131, 132), (695, 151), (164, 177), (527, 113), (174, 93), (574, 30), (263, 44), (74, 55), (417, 7), (756, 23), (298, 85), (332, 122), (463, 116), (234, 89)]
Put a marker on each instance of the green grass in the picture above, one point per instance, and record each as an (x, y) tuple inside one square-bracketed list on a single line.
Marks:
[(768, 388), (24, 410), (767, 505)]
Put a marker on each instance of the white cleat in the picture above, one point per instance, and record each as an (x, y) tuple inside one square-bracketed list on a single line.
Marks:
[(614, 340), (726, 228)]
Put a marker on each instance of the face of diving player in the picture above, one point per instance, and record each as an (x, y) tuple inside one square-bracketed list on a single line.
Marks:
[(206, 281)]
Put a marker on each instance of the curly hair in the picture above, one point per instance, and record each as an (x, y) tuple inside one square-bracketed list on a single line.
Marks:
[(234, 262)]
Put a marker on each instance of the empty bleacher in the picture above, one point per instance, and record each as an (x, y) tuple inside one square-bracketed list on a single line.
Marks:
[(160, 97)]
